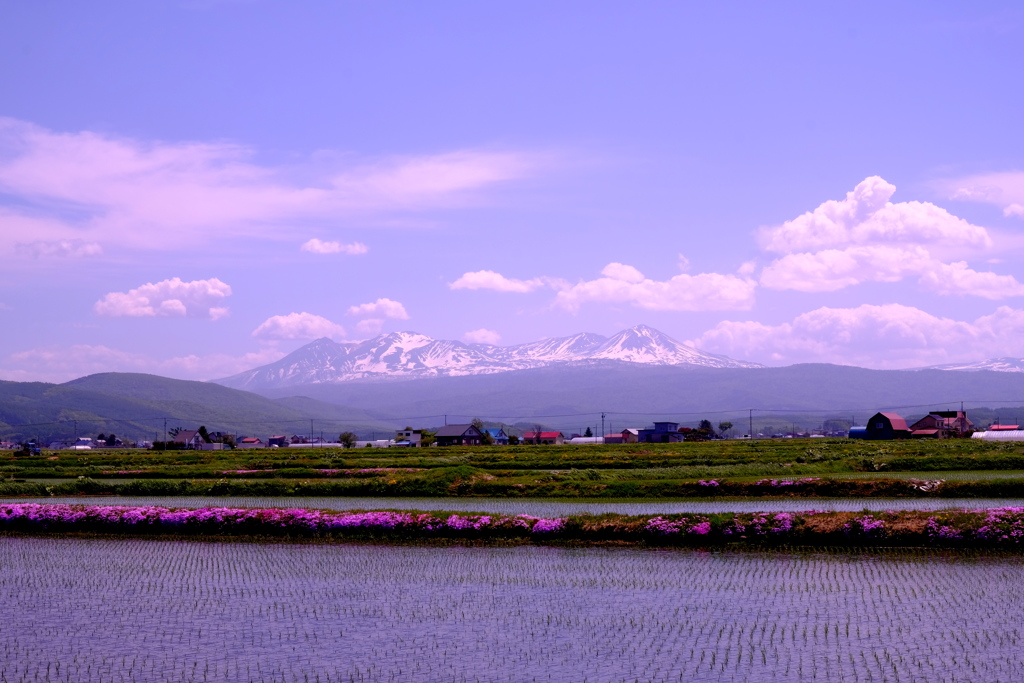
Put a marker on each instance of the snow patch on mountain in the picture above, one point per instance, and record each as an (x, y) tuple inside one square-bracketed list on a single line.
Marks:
[(993, 364), (409, 355)]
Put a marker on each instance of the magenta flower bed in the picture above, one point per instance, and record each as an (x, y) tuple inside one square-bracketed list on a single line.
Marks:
[(265, 521), (997, 527)]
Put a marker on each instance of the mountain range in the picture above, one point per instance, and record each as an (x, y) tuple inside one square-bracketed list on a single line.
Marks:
[(993, 364), (409, 355)]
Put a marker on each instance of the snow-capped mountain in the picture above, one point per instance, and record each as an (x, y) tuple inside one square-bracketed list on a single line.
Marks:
[(994, 364), (408, 355)]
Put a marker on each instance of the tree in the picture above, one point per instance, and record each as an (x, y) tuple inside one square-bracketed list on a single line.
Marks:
[(588, 433), (347, 439), (204, 434), (101, 437), (111, 439), (536, 434), (724, 426)]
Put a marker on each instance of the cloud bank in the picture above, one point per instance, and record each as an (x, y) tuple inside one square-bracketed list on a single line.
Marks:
[(145, 194), (174, 297), (891, 335)]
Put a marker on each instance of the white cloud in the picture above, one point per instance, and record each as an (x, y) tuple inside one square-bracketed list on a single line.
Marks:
[(867, 216), (198, 298), (625, 284), (298, 326), (64, 363), (59, 249), (1005, 189), (866, 238), (146, 194), (957, 278), (488, 279), (370, 327), (832, 269), (316, 246), (892, 335), (482, 336), (620, 271), (381, 308)]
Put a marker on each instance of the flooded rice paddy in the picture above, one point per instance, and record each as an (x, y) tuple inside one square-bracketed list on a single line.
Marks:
[(543, 507), (138, 610)]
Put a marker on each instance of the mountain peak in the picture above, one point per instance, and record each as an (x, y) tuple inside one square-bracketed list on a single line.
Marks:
[(409, 355)]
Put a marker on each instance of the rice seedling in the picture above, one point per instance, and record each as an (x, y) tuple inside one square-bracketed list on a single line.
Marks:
[(131, 610)]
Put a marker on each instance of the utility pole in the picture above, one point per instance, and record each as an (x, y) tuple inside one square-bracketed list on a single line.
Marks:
[(751, 423), (602, 425)]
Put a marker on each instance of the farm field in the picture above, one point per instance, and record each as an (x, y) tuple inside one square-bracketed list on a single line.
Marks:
[(544, 507), (125, 610), (823, 468)]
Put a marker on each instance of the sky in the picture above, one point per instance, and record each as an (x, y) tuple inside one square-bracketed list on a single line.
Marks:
[(196, 188)]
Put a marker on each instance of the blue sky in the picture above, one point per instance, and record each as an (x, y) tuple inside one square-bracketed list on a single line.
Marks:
[(196, 188)]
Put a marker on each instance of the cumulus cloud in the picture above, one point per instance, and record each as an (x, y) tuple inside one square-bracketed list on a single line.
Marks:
[(298, 326), (867, 238), (488, 279), (59, 249), (174, 297), (316, 246), (381, 308), (1014, 210), (64, 363), (684, 292), (482, 336), (148, 194), (891, 335), (867, 216)]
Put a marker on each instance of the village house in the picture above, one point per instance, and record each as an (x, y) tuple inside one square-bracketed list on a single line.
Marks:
[(458, 435), (544, 438), (942, 424), (409, 438), (251, 442), (498, 436), (661, 432), (625, 436), (190, 438)]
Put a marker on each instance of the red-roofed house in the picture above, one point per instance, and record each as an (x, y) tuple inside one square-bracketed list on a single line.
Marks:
[(887, 426), (1003, 428), (942, 424), (545, 438)]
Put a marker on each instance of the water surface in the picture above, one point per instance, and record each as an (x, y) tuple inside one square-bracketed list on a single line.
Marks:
[(138, 610), (542, 507)]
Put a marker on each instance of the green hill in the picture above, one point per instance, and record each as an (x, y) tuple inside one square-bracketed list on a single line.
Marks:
[(135, 406)]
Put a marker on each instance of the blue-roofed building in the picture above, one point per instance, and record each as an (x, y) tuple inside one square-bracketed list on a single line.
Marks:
[(498, 436), (662, 432)]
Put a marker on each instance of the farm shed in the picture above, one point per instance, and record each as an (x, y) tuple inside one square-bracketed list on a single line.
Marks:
[(887, 426), (858, 432)]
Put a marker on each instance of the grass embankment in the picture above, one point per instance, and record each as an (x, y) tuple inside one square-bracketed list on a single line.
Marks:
[(996, 528), (825, 467)]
